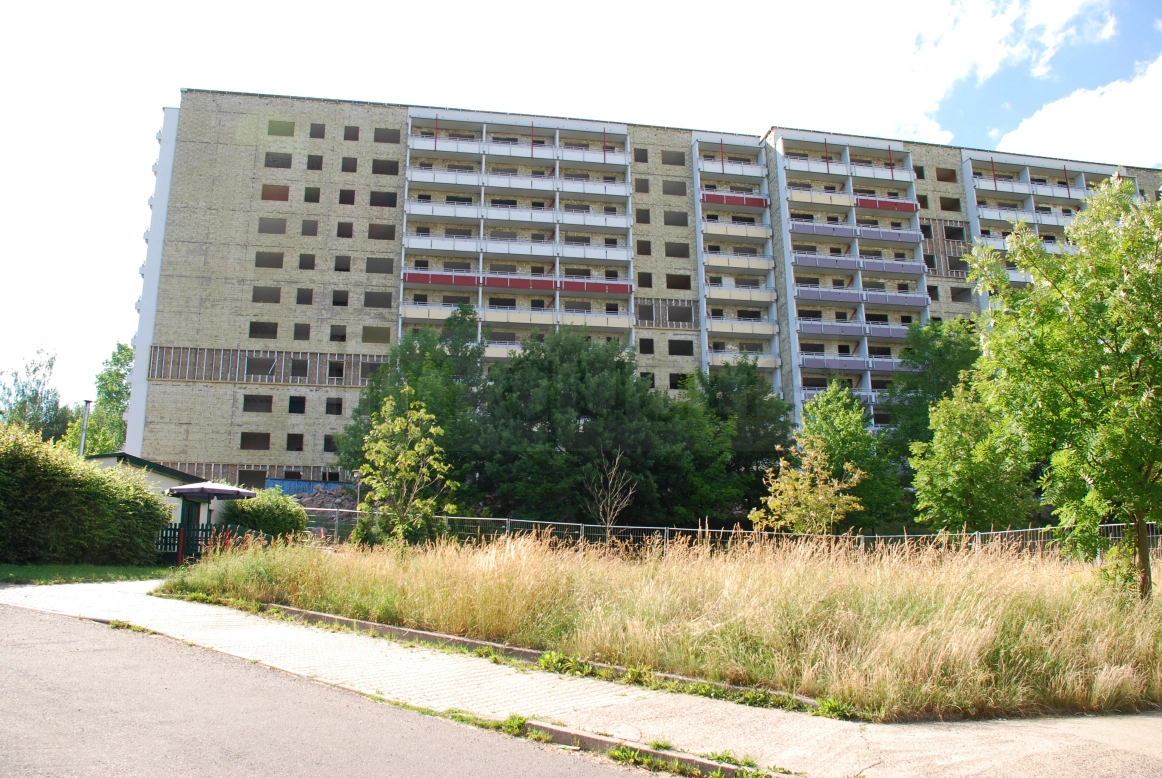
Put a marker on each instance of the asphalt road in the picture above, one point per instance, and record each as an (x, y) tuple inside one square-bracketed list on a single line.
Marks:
[(78, 698)]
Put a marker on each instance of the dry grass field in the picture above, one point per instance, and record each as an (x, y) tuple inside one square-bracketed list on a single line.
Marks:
[(899, 633)]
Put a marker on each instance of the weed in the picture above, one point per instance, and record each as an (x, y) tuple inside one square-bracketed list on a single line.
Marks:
[(555, 662), (489, 653), (539, 736), (61, 574), (727, 757), (662, 745), (115, 624), (835, 709), (514, 725), (633, 758)]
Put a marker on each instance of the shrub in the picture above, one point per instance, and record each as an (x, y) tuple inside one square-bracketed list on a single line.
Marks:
[(269, 511), (58, 509)]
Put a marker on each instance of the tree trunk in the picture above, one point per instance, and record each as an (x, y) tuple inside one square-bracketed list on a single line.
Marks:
[(1145, 582)]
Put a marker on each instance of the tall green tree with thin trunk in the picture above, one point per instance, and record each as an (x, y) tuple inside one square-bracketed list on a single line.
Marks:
[(28, 398), (106, 430), (1074, 360)]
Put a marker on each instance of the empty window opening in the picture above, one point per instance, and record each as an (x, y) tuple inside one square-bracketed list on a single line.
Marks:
[(311, 194), (385, 167), (269, 226), (339, 297), (674, 158), (298, 368), (953, 233), (294, 442), (318, 130), (381, 232), (676, 380), (383, 199), (305, 297), (386, 135), (275, 192), (934, 292), (680, 314), (349, 165), (275, 127), (367, 369), (346, 197), (306, 261), (329, 446), (302, 332), (641, 185), (380, 265), (676, 188), (677, 281), (314, 162), (334, 406), (681, 348), (377, 334), (961, 294), (350, 133), (266, 294), (642, 215), (268, 259), (278, 159), (257, 403), (297, 404), (377, 299), (310, 227), (255, 441), (343, 264), (675, 218), (645, 345), (950, 203), (267, 330), (946, 174), (641, 155), (345, 230), (678, 250), (338, 333), (259, 365)]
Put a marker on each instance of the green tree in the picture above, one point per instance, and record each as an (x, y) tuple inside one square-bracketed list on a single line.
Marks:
[(443, 369), (404, 476), (269, 511), (741, 394), (974, 474), (28, 398), (1074, 360), (836, 420), (106, 429), (807, 497), (935, 355)]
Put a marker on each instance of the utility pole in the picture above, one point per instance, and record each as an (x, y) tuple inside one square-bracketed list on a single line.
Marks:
[(85, 425)]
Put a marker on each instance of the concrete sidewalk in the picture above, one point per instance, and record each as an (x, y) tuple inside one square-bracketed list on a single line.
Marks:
[(1081, 746)]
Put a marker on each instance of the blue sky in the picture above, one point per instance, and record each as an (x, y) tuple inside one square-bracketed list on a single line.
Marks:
[(85, 84)]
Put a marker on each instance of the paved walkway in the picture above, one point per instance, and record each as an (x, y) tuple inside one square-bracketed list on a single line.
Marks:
[(1081, 746)]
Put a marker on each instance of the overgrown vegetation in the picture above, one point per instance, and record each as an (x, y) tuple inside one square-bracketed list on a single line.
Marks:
[(892, 634), (62, 574), (57, 509), (270, 512)]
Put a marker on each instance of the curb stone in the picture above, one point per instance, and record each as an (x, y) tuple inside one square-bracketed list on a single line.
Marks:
[(512, 652)]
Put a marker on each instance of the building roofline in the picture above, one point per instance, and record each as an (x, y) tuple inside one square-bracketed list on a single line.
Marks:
[(145, 464)]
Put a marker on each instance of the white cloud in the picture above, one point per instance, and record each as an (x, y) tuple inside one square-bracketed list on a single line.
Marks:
[(1113, 123), (1109, 29), (100, 74), (994, 133)]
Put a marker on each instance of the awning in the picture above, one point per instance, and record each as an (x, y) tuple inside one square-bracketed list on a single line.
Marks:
[(208, 490)]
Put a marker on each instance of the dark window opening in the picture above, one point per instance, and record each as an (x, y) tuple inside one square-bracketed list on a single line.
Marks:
[(350, 133), (278, 159), (257, 403), (318, 130)]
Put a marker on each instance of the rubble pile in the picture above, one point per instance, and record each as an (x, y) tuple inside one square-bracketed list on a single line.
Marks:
[(339, 497)]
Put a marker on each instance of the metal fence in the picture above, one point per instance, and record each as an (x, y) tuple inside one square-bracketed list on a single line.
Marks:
[(337, 524)]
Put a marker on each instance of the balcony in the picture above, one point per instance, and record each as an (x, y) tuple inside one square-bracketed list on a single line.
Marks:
[(496, 282), (892, 268), (895, 300), (852, 329), (720, 326), (734, 199), (867, 397), (816, 166), (985, 183), (535, 217), (421, 312), (722, 358), (596, 321), (812, 361), (502, 247), (524, 316), (534, 185), (523, 148), (844, 295), (595, 287), (727, 169), (493, 351), (897, 204), (891, 235), (847, 295), (739, 294), (736, 230), (885, 171), (812, 197), (824, 229), (1018, 277), (717, 260)]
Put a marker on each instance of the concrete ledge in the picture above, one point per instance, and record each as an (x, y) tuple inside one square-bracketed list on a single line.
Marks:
[(587, 741), (512, 652)]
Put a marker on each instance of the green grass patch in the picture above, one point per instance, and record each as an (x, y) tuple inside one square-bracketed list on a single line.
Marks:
[(61, 574)]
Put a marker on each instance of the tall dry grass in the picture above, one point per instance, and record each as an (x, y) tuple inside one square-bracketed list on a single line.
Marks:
[(900, 633)]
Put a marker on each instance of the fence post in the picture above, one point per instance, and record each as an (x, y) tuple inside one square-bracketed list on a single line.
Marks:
[(336, 526), (508, 528), (181, 543)]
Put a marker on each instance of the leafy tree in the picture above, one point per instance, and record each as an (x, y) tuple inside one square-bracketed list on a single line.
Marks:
[(837, 422), (762, 421), (808, 498), (443, 370), (404, 476), (29, 399), (269, 511), (106, 429), (1074, 360), (974, 473), (936, 353), (556, 407)]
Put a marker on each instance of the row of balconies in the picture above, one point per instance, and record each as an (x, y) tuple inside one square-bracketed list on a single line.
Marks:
[(516, 183), (847, 200), (880, 266), (460, 279), (865, 396), (740, 294), (853, 328), (522, 148), (734, 199), (983, 182), (1051, 246), (854, 362), (500, 247), (850, 231), (736, 230), (852, 296), (724, 260), (878, 172), (728, 170), (511, 215), (1029, 217)]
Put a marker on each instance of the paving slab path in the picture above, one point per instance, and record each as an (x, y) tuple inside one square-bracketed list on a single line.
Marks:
[(1124, 746)]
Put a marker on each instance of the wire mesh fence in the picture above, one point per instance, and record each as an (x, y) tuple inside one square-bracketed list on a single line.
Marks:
[(336, 525)]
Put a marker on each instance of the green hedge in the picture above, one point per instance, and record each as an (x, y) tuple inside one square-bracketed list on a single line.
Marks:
[(57, 509), (269, 511)]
